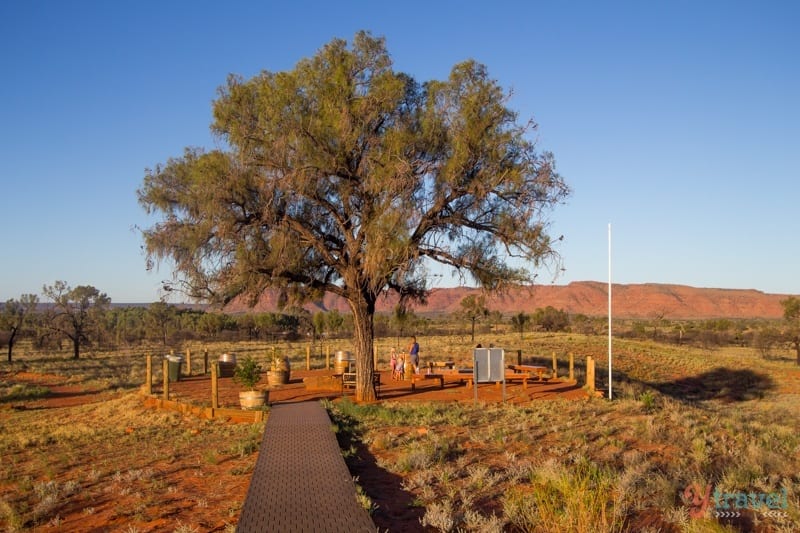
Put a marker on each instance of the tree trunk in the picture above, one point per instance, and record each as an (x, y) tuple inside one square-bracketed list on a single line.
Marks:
[(797, 348), (363, 334), (11, 343), (76, 348)]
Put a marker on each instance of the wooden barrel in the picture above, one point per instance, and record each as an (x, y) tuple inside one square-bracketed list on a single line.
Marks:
[(341, 363), (226, 363)]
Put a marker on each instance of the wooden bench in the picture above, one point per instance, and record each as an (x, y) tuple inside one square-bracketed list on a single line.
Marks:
[(423, 377), (349, 381), (539, 370), (509, 376)]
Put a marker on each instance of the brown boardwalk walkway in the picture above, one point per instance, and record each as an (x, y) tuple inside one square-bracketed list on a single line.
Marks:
[(300, 482)]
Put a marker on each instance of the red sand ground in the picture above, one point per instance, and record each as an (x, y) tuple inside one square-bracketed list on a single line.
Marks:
[(384, 486)]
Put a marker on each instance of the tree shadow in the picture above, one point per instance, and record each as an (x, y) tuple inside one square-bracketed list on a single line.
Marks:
[(719, 383), (394, 509)]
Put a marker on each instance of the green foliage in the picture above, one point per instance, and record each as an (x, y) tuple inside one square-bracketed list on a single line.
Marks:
[(345, 176), (22, 392), (519, 321), (648, 399), (791, 314), (473, 308), (247, 372), (75, 311), (551, 319), (13, 316)]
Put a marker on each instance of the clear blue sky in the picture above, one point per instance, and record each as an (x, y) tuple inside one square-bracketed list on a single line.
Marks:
[(677, 122)]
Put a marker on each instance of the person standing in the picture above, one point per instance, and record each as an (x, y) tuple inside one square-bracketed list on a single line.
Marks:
[(393, 363), (413, 354)]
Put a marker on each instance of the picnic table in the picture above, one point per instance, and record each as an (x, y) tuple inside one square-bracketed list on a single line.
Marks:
[(508, 376), (538, 370)]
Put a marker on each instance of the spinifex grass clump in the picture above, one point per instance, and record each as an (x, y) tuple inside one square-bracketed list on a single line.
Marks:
[(580, 497)]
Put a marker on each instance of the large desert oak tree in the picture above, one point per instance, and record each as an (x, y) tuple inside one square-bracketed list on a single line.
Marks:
[(343, 175)]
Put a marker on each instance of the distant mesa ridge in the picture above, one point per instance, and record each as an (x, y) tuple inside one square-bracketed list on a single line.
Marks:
[(646, 300)]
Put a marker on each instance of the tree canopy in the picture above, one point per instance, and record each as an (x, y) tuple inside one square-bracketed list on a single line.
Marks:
[(343, 175), (791, 313), (75, 311)]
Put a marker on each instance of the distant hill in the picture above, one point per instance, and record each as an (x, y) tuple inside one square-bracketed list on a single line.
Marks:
[(648, 300)]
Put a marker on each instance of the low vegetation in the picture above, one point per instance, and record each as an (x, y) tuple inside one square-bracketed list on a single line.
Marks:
[(682, 416), (595, 465)]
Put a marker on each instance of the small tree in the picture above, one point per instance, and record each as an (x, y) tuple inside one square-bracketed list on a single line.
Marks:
[(519, 321), (247, 373), (791, 314), (14, 315), (160, 319), (473, 308), (75, 311)]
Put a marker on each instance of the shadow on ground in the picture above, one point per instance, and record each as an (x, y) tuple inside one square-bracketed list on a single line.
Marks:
[(718, 384), (394, 508)]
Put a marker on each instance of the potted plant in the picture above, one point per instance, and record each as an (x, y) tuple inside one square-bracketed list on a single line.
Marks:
[(247, 373), (279, 369)]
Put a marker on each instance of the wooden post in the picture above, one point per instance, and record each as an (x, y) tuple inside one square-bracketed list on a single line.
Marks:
[(165, 367), (328, 357), (188, 362), (205, 361), (555, 366), (590, 373), (308, 357), (148, 378), (519, 357), (571, 366), (214, 387)]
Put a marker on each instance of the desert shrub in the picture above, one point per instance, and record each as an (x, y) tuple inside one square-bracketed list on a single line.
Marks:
[(551, 319), (648, 399), (579, 498), (426, 452), (765, 340), (440, 516), (21, 392)]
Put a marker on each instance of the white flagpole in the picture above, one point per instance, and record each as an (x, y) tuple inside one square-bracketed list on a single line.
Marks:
[(609, 311)]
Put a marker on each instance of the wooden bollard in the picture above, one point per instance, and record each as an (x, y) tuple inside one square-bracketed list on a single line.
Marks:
[(205, 361), (308, 357), (165, 367), (571, 367), (590, 373), (148, 377), (188, 362), (555, 366), (214, 387)]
